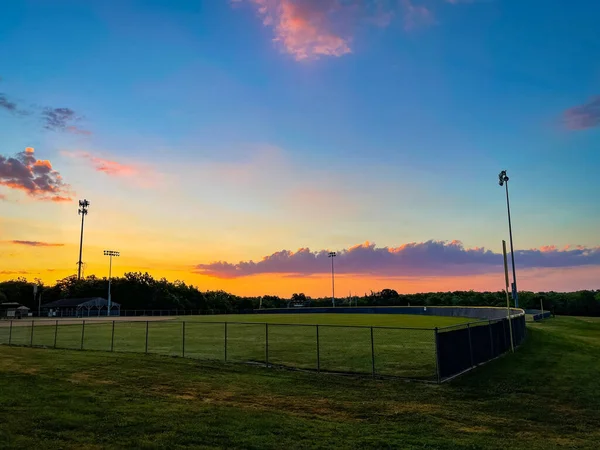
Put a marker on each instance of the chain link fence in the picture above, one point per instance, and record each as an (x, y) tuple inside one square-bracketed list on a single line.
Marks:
[(432, 355)]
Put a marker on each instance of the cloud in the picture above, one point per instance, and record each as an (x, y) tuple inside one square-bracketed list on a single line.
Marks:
[(309, 29), (6, 104), (36, 244), (431, 258), (35, 177), (111, 168), (2, 197), (14, 272), (53, 119), (416, 16), (583, 116)]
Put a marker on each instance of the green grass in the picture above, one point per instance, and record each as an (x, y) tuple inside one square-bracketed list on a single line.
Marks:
[(545, 396), (408, 353)]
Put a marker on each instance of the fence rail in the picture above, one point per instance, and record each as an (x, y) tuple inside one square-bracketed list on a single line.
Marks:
[(432, 355)]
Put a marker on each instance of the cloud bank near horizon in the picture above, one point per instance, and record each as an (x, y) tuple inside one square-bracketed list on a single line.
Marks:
[(431, 258)]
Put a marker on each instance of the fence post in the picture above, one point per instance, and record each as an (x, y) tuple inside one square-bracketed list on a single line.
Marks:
[(372, 354), (55, 332), (491, 340), (82, 333), (112, 337), (183, 340), (437, 356), (10, 333), (31, 338), (225, 341), (147, 322), (470, 344), (267, 343), (318, 352)]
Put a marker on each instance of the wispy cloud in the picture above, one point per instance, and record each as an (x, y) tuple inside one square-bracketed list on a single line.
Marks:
[(416, 16), (52, 118), (35, 177), (431, 258), (309, 29), (36, 244), (583, 116), (14, 272), (109, 167)]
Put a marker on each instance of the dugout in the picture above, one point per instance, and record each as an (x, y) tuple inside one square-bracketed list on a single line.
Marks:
[(13, 310), (81, 307)]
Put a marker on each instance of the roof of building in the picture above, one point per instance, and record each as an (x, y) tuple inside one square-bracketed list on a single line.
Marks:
[(75, 302)]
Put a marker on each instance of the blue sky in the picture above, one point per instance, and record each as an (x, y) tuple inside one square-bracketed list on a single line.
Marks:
[(396, 135)]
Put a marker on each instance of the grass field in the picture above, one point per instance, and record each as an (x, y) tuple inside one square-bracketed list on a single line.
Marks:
[(343, 347), (545, 396)]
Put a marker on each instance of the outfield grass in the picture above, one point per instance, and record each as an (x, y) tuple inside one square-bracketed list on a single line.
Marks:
[(545, 396), (344, 340)]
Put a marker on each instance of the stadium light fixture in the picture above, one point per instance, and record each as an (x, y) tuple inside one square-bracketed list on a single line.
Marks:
[(110, 254), (332, 255), (503, 181), (83, 210)]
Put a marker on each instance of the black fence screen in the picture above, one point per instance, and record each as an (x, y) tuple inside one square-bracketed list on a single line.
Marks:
[(464, 347)]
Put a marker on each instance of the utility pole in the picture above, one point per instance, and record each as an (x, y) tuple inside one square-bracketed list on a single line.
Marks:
[(503, 180), (83, 210), (332, 255), (110, 254)]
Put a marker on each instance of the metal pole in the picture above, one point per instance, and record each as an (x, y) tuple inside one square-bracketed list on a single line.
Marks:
[(372, 354), (55, 332), (332, 284), (79, 264), (112, 337), (183, 340), (31, 339), (470, 344), (318, 352), (512, 347), (542, 306), (10, 333), (82, 333), (512, 251), (267, 343), (147, 322), (437, 357), (225, 341), (109, 280)]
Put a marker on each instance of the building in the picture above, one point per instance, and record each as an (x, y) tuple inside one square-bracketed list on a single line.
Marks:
[(13, 310), (81, 307)]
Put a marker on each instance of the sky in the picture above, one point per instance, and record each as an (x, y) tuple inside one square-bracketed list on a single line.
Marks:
[(233, 144)]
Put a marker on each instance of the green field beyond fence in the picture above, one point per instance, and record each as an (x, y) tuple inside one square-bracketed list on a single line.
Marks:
[(378, 344)]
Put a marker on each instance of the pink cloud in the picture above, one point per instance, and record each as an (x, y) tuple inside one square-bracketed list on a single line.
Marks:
[(36, 244), (35, 177), (431, 258), (112, 168), (584, 116)]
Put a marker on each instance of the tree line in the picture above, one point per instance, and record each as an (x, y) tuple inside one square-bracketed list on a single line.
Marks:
[(140, 291)]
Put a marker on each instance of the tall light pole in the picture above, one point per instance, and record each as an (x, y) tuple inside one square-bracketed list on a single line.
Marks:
[(503, 181), (83, 210), (110, 254), (332, 255)]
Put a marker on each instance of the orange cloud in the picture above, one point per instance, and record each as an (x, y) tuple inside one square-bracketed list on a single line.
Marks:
[(36, 177), (106, 166)]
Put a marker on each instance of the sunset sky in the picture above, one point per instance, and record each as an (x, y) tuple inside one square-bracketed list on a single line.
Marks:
[(233, 143)]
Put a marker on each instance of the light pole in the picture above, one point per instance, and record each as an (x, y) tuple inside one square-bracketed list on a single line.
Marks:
[(332, 255), (503, 181), (83, 210), (110, 254)]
